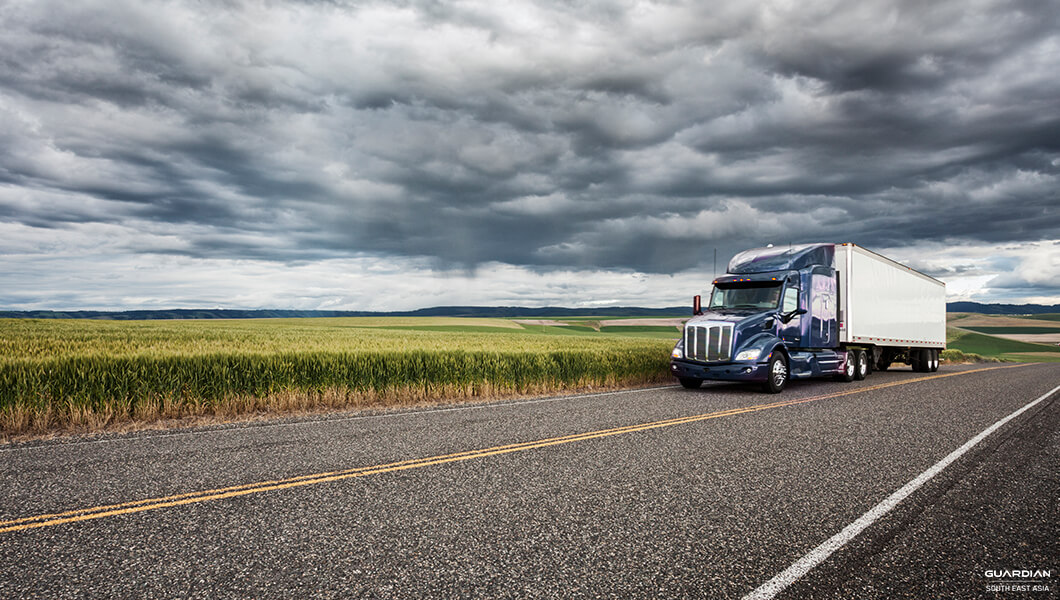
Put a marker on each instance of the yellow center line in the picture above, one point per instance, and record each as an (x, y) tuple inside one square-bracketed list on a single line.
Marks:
[(97, 512)]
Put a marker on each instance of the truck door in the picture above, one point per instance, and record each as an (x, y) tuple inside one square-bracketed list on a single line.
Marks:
[(791, 332), (823, 324)]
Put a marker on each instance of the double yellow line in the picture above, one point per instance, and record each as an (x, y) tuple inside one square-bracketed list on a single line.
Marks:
[(98, 512)]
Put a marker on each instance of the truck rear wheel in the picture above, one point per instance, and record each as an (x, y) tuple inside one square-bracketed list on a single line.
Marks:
[(776, 374), (934, 360), (691, 383), (861, 364), (849, 368)]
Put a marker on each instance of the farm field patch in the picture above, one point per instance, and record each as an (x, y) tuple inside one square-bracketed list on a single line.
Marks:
[(1032, 356), (92, 374), (1044, 317), (1015, 330), (988, 345), (969, 320), (1037, 329)]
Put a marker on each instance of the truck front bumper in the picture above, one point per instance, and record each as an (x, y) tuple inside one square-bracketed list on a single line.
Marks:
[(741, 371)]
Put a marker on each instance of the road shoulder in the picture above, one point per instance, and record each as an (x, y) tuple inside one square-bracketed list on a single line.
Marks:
[(993, 510)]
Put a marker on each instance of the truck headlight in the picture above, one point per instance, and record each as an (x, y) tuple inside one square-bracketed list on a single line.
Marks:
[(679, 350), (748, 355)]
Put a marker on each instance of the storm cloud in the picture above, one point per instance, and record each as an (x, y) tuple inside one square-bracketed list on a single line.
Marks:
[(542, 138)]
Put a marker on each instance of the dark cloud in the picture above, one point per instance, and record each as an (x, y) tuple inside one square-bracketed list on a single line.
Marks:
[(549, 136)]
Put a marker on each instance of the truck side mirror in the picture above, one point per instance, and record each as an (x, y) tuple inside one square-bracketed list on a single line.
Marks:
[(697, 305)]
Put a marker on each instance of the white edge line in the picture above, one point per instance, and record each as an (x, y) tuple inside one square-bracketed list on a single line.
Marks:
[(819, 554), (245, 426)]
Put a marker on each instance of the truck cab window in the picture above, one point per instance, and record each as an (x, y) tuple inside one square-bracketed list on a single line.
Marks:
[(791, 300), (746, 295)]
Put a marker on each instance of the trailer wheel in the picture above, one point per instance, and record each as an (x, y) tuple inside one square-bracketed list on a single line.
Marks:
[(921, 359), (849, 368), (925, 360), (691, 383), (861, 363), (934, 360), (776, 374)]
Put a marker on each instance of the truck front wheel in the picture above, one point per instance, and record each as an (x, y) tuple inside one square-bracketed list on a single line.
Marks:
[(690, 383), (776, 374)]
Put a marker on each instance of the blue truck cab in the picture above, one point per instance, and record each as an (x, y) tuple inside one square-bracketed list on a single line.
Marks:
[(773, 317)]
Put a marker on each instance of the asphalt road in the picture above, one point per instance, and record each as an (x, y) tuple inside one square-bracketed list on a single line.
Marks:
[(662, 493)]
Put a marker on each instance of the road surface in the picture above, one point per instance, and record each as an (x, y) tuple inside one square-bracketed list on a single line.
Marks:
[(662, 493)]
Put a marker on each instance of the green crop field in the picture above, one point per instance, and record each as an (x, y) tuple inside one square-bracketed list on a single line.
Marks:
[(1042, 317), (987, 345), (83, 374), (645, 330), (1011, 330)]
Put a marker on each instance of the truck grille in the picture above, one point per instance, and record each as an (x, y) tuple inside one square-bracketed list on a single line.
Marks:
[(709, 342)]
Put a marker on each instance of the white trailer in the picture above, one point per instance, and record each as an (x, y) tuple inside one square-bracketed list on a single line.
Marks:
[(888, 307), (885, 303)]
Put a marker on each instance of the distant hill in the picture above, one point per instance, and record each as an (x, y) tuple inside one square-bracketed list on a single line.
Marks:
[(438, 311), (449, 311), (1002, 309)]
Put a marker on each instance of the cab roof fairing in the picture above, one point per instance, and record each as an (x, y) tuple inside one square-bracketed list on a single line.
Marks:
[(774, 276), (778, 258)]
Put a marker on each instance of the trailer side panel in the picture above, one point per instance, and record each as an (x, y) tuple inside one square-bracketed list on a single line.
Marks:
[(888, 304)]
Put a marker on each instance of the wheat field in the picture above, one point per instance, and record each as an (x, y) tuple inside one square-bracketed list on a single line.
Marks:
[(85, 375)]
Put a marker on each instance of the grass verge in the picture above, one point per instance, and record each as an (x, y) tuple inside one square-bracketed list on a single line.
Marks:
[(21, 423), (953, 355)]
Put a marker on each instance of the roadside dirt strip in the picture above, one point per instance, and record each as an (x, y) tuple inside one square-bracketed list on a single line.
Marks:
[(663, 493)]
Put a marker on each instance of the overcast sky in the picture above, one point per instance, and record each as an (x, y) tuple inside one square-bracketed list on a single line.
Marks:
[(403, 154)]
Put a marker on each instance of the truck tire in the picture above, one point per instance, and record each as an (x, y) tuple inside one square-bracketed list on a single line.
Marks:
[(928, 359), (934, 360), (776, 374), (691, 383), (861, 365), (849, 368), (914, 359), (925, 360)]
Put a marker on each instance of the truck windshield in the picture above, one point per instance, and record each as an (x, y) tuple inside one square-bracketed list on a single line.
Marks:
[(750, 294)]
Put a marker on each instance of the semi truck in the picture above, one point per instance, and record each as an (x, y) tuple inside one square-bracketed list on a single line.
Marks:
[(811, 310)]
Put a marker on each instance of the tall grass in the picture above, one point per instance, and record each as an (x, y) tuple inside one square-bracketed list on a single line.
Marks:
[(95, 374)]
